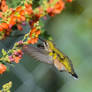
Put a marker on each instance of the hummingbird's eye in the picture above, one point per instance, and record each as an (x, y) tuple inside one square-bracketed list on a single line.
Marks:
[(46, 44)]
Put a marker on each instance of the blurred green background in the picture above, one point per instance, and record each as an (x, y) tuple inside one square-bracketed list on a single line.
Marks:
[(72, 33)]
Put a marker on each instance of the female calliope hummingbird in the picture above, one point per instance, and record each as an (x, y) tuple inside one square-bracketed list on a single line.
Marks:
[(48, 53)]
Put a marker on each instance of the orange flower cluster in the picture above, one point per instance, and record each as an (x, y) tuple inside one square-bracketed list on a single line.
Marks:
[(2, 68), (28, 8), (4, 26), (3, 5), (26, 13), (58, 7), (33, 35), (16, 17)]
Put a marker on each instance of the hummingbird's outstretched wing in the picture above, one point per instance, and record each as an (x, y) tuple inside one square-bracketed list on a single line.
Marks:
[(39, 54)]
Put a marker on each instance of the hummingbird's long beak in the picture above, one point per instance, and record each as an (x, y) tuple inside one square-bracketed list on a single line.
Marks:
[(41, 40)]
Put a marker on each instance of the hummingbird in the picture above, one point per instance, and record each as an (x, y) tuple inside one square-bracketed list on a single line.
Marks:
[(48, 53)]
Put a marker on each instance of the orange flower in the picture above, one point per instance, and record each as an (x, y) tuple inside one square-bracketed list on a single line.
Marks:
[(69, 0), (37, 32), (34, 35), (4, 25), (34, 32), (22, 12), (50, 1), (32, 40), (19, 27), (2, 68), (12, 20), (19, 13), (28, 8), (17, 16), (4, 6), (19, 8), (27, 5), (1, 28), (58, 7), (3, 2), (17, 59)]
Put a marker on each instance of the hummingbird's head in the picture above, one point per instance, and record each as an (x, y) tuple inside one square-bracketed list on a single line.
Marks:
[(48, 45), (69, 67)]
